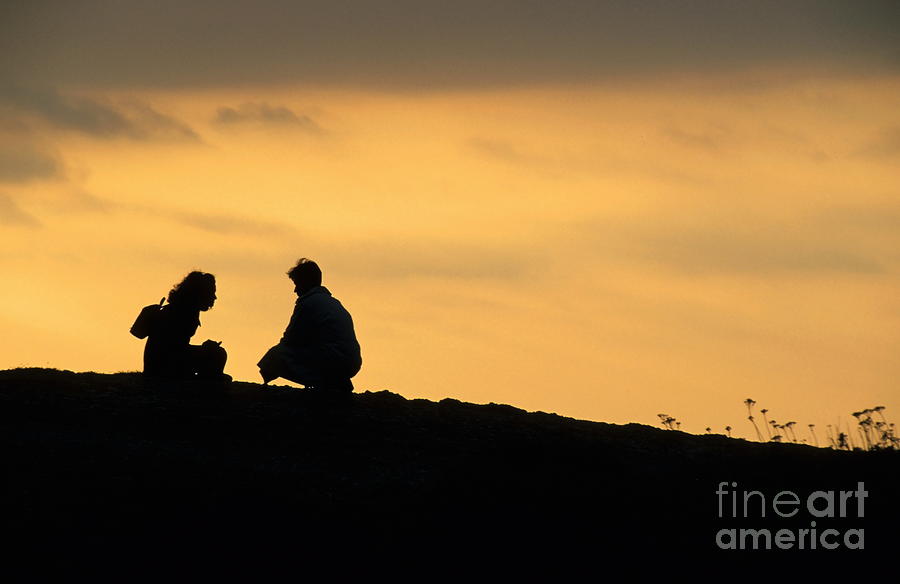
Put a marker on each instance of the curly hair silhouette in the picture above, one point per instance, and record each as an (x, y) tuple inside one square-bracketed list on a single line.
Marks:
[(197, 289)]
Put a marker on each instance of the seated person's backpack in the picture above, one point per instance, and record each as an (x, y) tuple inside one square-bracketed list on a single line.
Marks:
[(143, 324)]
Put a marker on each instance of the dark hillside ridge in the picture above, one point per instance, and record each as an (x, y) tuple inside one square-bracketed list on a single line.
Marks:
[(94, 457)]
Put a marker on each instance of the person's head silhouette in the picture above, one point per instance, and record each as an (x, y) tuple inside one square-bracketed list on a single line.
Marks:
[(306, 275), (196, 291)]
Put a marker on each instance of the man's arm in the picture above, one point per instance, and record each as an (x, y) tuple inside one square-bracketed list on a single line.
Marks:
[(294, 332)]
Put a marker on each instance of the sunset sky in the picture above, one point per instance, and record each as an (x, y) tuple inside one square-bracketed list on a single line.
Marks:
[(606, 210)]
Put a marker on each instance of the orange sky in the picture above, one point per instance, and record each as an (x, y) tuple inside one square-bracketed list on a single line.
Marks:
[(604, 249)]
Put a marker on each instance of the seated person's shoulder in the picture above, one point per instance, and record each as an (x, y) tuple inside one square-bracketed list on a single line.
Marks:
[(173, 319), (323, 305)]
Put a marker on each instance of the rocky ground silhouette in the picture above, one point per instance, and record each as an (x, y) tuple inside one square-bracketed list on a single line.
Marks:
[(106, 458)]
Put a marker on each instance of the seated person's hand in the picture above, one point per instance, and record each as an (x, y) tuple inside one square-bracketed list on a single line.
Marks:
[(209, 343)]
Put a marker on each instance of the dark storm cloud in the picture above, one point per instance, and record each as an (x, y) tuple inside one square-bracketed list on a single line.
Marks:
[(426, 43), (135, 120), (265, 115), (11, 214)]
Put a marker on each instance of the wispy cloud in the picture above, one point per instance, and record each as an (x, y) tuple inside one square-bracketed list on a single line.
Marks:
[(149, 124), (712, 139), (133, 119), (876, 221), (741, 246), (75, 200), (555, 164), (72, 200), (263, 114), (11, 214), (886, 145), (23, 162), (505, 151), (228, 224), (428, 259), (731, 251), (216, 223)]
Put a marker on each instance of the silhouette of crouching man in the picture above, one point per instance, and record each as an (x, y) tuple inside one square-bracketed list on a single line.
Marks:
[(319, 348), (168, 352)]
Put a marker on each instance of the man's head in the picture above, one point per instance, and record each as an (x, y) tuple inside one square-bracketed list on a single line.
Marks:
[(306, 275)]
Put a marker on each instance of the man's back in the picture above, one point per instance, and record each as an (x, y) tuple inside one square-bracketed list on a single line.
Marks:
[(321, 335), (319, 346)]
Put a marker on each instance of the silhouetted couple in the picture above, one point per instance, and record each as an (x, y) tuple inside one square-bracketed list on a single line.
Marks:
[(318, 349)]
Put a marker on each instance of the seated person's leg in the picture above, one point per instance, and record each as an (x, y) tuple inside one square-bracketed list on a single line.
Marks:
[(282, 361), (208, 360), (305, 369), (271, 366)]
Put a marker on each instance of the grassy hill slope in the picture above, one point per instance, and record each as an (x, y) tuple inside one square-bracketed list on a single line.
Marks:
[(100, 457)]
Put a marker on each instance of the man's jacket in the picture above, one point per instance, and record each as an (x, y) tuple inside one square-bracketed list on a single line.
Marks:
[(321, 336)]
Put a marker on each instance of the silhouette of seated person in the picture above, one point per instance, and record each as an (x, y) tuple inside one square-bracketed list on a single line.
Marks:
[(319, 348), (168, 352)]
